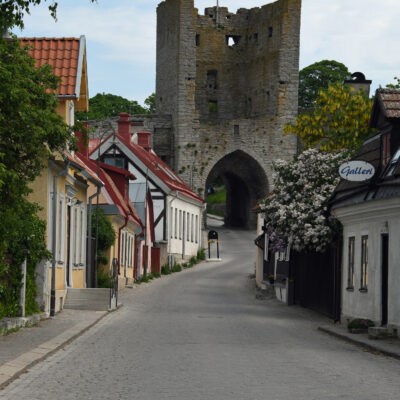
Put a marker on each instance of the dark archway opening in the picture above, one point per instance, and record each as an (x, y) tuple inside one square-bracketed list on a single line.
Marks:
[(245, 182)]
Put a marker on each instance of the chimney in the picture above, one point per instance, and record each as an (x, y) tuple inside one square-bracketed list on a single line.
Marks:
[(144, 140), (124, 127), (358, 82), (83, 147)]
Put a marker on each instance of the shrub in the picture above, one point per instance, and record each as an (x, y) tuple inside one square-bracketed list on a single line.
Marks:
[(176, 268), (360, 323), (165, 270), (103, 279), (201, 254)]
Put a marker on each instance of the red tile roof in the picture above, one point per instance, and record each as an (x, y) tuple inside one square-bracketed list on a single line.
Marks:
[(62, 54), (83, 167), (126, 208), (391, 101), (157, 166)]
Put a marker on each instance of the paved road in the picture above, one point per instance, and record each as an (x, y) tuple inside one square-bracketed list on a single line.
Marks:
[(202, 334)]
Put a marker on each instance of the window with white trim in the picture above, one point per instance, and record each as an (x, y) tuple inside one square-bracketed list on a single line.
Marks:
[(61, 216), (197, 229), (172, 222), (75, 236), (188, 227), (192, 228), (180, 224), (350, 263), (122, 249), (364, 263), (176, 223)]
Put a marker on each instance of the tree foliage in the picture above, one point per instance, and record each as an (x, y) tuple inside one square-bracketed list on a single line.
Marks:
[(319, 76), (12, 11), (106, 234), (150, 103), (296, 212), (104, 105), (394, 85), (339, 120)]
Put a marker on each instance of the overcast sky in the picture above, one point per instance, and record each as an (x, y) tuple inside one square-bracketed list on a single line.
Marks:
[(121, 37)]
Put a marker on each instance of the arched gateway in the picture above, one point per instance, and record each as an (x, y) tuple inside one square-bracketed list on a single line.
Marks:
[(245, 182)]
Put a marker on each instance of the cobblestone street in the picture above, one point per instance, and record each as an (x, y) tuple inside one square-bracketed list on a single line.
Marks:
[(202, 334)]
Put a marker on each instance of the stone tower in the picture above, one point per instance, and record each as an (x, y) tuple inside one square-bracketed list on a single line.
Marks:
[(229, 81)]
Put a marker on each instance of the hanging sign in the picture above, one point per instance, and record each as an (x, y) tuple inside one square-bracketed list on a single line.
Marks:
[(356, 171)]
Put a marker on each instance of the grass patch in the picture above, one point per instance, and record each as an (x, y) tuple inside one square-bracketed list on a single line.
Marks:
[(218, 197), (215, 212)]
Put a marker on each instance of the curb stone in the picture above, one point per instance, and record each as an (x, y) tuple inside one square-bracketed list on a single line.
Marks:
[(370, 347), (11, 370)]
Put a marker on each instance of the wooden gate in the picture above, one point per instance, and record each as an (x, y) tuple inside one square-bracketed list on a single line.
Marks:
[(317, 278), (156, 260)]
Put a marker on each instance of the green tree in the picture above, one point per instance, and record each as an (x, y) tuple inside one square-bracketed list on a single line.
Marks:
[(30, 130), (394, 85), (30, 127), (150, 103), (12, 12), (319, 76), (339, 120), (104, 105)]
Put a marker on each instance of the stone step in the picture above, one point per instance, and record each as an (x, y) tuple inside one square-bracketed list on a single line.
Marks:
[(88, 299)]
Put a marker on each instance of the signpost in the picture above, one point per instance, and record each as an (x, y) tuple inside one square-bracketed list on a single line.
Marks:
[(213, 239)]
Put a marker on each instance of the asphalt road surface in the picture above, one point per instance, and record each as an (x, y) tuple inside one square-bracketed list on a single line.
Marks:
[(202, 334)]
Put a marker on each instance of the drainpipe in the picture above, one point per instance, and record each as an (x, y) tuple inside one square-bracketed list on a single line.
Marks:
[(89, 262), (54, 240)]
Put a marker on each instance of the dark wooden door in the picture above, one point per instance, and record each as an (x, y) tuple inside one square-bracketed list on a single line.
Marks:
[(385, 277)]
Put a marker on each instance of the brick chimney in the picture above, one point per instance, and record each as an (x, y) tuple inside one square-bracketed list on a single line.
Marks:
[(144, 140), (83, 147), (124, 127), (358, 82)]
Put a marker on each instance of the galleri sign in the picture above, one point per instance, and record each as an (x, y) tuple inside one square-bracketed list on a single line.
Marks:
[(356, 171)]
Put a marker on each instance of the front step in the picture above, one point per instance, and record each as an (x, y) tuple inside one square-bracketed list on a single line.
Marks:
[(95, 299)]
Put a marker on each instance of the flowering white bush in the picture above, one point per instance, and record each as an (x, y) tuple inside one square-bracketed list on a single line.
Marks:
[(296, 210)]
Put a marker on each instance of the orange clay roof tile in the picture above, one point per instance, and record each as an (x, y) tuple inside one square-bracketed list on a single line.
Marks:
[(62, 55)]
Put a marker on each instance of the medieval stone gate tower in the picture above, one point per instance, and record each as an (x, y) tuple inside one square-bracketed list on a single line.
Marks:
[(230, 83)]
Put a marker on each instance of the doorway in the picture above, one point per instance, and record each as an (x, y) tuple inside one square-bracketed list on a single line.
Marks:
[(385, 277)]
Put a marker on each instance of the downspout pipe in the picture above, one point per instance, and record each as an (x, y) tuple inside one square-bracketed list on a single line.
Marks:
[(54, 240)]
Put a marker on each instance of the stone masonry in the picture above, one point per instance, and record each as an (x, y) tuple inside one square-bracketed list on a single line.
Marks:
[(230, 83), (226, 85)]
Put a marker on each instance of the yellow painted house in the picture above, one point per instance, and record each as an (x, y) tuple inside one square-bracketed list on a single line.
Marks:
[(67, 178)]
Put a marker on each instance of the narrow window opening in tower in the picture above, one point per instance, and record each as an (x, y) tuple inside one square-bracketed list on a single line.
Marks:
[(212, 106), (255, 36), (212, 78), (236, 129), (270, 30), (197, 39), (232, 40)]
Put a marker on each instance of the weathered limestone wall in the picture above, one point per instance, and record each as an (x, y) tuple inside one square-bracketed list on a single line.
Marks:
[(225, 97)]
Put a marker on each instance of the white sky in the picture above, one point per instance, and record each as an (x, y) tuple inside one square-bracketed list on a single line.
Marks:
[(121, 37)]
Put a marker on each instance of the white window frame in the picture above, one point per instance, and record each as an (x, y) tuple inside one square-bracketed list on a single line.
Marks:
[(61, 229), (75, 257)]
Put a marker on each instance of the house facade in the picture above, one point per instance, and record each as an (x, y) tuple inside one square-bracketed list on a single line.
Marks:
[(116, 206), (370, 214), (61, 190), (159, 195)]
